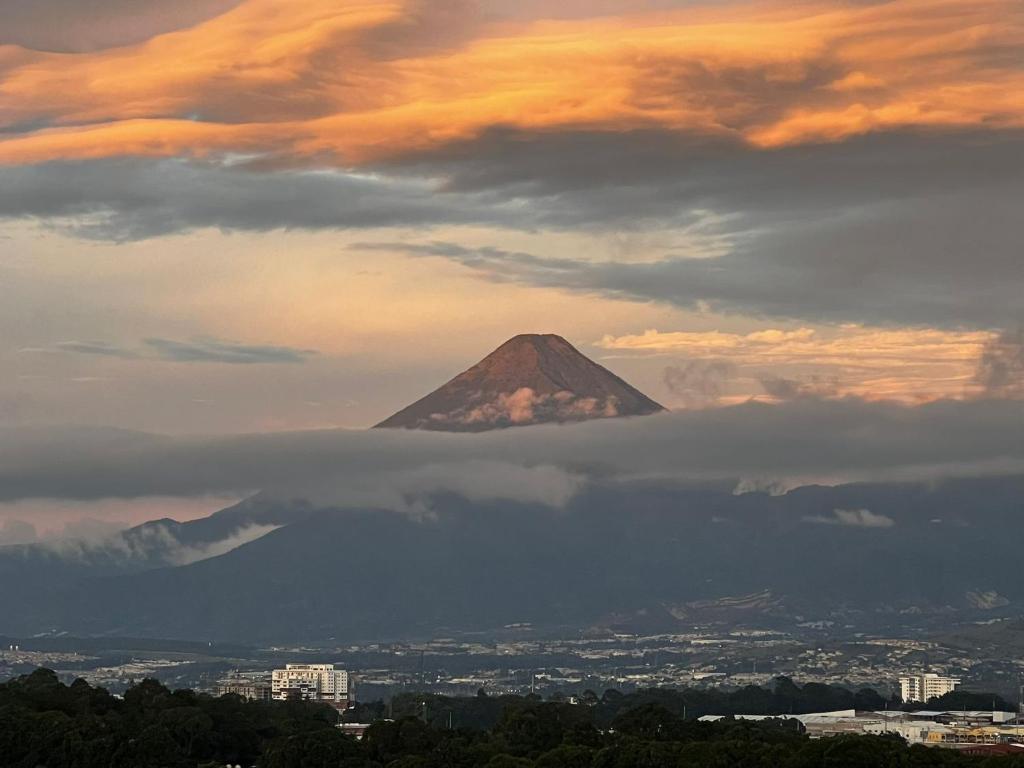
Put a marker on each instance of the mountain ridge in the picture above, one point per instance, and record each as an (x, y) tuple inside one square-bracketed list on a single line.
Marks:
[(653, 555)]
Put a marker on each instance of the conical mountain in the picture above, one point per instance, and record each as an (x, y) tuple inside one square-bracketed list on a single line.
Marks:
[(530, 379)]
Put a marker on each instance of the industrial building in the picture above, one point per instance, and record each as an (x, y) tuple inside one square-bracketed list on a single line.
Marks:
[(952, 729)]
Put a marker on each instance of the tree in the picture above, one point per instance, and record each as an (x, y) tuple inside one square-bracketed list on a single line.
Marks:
[(147, 695), (537, 728), (391, 740), (190, 728), (153, 747), (507, 761), (322, 749), (650, 722), (967, 700), (566, 756)]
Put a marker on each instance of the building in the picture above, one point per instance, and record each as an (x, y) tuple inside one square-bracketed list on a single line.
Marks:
[(952, 730), (993, 750), (926, 686), (312, 682), (250, 687), (355, 730)]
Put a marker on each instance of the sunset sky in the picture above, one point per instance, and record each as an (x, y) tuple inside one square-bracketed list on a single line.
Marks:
[(254, 216)]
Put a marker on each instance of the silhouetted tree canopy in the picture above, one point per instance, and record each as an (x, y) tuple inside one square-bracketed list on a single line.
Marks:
[(46, 724)]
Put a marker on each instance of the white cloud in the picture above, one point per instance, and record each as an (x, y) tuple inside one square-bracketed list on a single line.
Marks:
[(407, 490), (856, 518), (89, 539), (183, 555), (525, 406)]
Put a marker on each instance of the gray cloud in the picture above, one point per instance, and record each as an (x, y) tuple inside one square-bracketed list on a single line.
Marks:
[(215, 351), (898, 228), (698, 383), (885, 229), (202, 350), (426, 26), (84, 25), (805, 440), (867, 270), (122, 200), (1001, 368), (788, 389), (101, 348), (644, 176)]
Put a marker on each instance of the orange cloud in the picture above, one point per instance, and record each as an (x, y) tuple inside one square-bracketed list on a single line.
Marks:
[(908, 365), (311, 80)]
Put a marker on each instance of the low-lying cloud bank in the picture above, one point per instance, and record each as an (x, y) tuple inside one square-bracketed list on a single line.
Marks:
[(101, 542), (856, 518), (806, 440)]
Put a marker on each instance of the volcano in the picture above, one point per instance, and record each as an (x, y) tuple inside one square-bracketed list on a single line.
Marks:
[(530, 379)]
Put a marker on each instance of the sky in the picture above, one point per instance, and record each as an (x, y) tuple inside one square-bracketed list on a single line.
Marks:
[(242, 219)]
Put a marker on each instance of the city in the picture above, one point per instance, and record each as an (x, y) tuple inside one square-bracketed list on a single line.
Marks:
[(521, 661)]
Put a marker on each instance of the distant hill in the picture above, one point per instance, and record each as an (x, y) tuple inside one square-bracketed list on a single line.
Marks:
[(530, 379), (638, 557)]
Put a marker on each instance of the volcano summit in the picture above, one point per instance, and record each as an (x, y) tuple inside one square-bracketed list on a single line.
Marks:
[(530, 379)]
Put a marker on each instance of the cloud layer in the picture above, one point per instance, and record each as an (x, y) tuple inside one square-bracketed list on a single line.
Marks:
[(129, 200), (805, 440), (361, 81), (217, 351), (76, 26), (193, 351)]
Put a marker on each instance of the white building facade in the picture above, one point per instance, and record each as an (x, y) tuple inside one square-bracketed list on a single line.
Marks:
[(311, 682), (926, 686)]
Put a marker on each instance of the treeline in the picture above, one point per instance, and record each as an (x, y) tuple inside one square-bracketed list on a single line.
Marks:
[(45, 724), (784, 698)]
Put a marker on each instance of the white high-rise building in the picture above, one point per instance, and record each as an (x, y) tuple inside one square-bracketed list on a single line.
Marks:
[(926, 686), (311, 682)]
